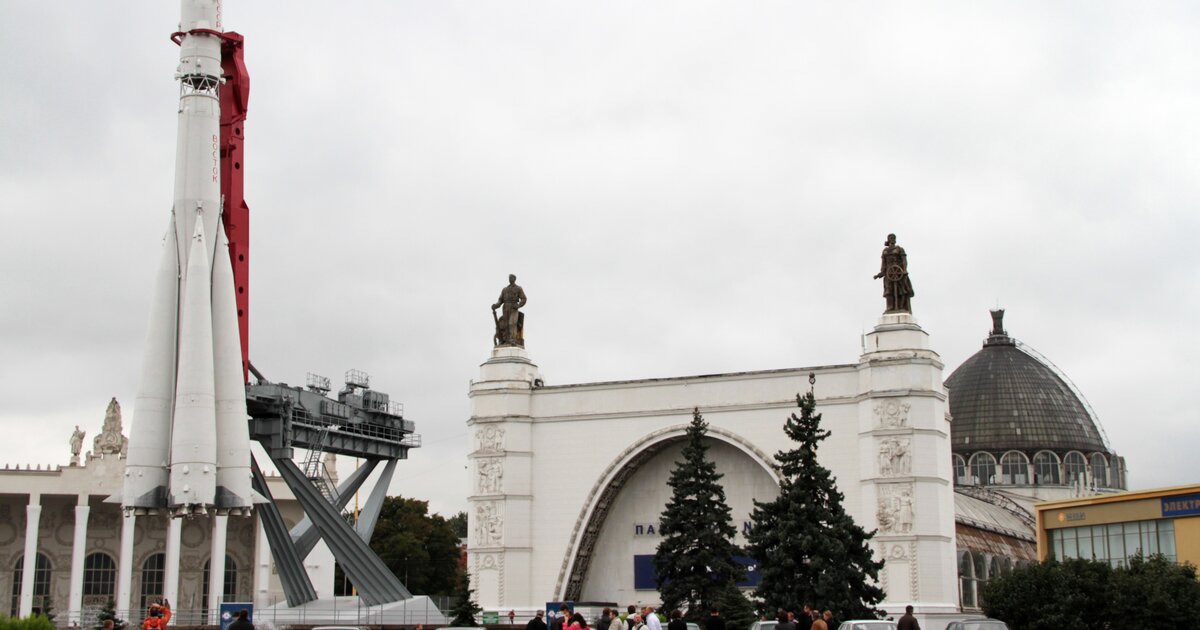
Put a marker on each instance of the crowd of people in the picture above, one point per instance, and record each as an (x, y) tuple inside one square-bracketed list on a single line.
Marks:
[(646, 619), (809, 619)]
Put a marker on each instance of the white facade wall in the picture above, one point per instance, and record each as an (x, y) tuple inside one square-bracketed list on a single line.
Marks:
[(547, 461)]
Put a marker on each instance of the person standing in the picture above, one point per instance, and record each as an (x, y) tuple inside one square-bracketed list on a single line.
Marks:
[(242, 622), (784, 619), (650, 618), (804, 621), (537, 623), (908, 621), (605, 619), (676, 622), (715, 621), (829, 621), (630, 613)]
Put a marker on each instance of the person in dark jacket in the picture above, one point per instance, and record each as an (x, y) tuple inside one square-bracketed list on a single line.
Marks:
[(605, 619), (677, 622), (908, 621), (538, 622), (242, 622), (715, 621)]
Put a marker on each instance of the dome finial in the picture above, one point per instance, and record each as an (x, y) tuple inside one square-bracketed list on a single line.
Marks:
[(998, 322)]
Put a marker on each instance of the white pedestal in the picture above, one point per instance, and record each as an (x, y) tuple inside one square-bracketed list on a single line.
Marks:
[(499, 551), (905, 462)]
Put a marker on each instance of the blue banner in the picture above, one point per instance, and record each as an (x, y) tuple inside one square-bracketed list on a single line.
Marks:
[(1186, 505), (645, 577)]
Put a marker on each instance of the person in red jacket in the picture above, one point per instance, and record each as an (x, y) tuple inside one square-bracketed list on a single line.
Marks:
[(158, 616)]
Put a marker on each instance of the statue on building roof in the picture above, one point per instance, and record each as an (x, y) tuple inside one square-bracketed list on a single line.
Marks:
[(893, 268), (76, 444), (510, 324), (111, 441)]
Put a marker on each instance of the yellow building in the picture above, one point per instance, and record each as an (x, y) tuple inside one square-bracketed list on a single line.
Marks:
[(1113, 527)]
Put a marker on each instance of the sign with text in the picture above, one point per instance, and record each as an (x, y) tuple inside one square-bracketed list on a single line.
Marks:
[(645, 577), (1185, 505)]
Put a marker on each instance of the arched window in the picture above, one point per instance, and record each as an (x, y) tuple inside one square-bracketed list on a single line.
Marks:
[(996, 569), (1118, 473), (99, 574), (153, 577), (981, 575), (960, 471), (1099, 471), (229, 588), (1014, 468), (1045, 469), (1075, 467), (41, 583), (966, 579), (983, 469)]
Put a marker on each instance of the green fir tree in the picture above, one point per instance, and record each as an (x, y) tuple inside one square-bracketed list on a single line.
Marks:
[(109, 611), (807, 548), (465, 608), (695, 559)]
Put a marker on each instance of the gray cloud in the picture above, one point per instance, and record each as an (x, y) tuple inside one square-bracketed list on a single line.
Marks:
[(682, 188)]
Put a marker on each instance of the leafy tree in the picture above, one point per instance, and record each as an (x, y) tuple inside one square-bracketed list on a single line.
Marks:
[(1156, 592), (109, 611), (458, 523), (1080, 594), (465, 608), (1068, 595), (807, 548), (419, 547), (694, 560)]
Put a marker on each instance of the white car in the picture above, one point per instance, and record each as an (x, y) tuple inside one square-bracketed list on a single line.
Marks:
[(764, 625), (978, 624), (867, 624)]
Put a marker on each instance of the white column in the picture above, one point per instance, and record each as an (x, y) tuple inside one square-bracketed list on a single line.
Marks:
[(171, 570), (216, 568), (33, 514), (125, 566), (262, 566), (78, 552)]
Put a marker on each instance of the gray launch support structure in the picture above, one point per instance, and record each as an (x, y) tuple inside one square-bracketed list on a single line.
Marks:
[(361, 423)]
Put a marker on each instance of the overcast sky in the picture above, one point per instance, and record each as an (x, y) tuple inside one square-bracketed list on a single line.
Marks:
[(682, 188)]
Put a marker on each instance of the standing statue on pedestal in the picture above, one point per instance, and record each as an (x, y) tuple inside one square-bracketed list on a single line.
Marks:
[(510, 325), (893, 268), (76, 445)]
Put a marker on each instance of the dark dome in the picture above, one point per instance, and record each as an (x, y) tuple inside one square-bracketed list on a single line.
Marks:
[(1003, 398)]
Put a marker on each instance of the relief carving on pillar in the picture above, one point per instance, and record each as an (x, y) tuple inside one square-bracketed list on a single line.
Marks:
[(914, 576), (892, 413), (894, 460), (489, 524), (490, 479), (895, 509), (490, 439)]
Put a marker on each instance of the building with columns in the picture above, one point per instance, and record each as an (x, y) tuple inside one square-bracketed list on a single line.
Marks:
[(569, 480), (88, 551)]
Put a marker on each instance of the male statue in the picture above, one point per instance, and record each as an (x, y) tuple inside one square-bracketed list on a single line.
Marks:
[(893, 268), (510, 326)]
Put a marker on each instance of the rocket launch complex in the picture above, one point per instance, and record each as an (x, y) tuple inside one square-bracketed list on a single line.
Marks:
[(195, 413)]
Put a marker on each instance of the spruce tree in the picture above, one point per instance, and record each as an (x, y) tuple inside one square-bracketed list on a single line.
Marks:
[(109, 611), (695, 559), (807, 548), (465, 608)]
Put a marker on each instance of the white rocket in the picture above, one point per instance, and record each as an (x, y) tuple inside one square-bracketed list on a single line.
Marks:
[(189, 445)]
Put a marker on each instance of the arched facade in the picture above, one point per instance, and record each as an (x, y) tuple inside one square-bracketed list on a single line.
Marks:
[(635, 483), (581, 470)]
